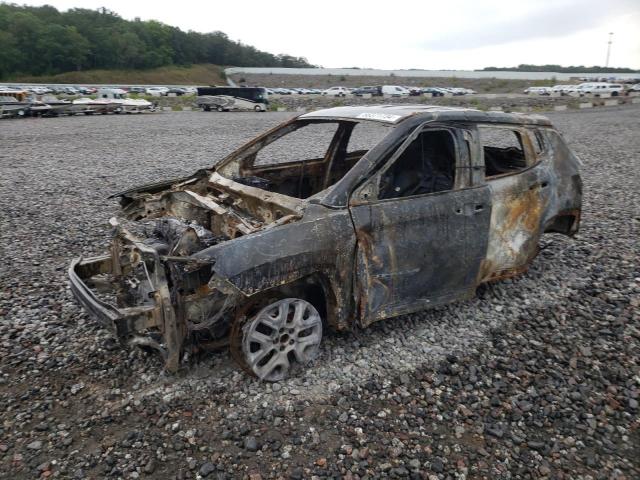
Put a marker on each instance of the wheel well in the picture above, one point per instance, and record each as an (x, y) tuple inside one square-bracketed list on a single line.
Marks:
[(565, 222), (315, 289)]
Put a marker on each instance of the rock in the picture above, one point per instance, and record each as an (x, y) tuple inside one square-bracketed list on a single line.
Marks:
[(251, 444), (534, 445), (207, 469), (437, 465), (150, 467), (35, 445)]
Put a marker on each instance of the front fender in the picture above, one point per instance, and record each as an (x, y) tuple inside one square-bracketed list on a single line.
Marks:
[(323, 241)]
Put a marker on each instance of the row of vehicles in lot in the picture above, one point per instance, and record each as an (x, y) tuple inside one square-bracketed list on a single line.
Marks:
[(375, 91), (21, 103), (156, 91), (223, 99), (593, 88)]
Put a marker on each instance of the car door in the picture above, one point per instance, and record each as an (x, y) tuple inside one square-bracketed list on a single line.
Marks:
[(520, 182), (421, 226)]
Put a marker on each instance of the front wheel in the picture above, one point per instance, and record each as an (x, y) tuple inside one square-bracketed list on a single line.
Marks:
[(284, 333), (220, 108), (257, 108)]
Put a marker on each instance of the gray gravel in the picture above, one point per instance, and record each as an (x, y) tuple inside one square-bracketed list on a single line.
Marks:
[(535, 377)]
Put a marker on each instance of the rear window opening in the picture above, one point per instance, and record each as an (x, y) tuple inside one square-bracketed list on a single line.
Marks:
[(503, 150), (307, 157)]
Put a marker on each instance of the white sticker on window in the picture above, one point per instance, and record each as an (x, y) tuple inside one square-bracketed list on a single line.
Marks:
[(384, 117)]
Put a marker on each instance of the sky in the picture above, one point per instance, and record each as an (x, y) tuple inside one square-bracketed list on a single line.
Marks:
[(426, 34)]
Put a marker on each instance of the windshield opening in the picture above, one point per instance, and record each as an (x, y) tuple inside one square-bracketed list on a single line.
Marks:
[(304, 157)]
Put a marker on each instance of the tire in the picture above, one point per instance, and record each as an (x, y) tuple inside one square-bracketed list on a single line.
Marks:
[(220, 108), (282, 334), (257, 108), (206, 108)]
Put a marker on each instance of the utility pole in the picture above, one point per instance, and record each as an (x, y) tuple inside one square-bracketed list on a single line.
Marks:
[(606, 65)]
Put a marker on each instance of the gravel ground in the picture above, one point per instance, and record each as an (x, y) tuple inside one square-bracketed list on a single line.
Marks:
[(536, 377)]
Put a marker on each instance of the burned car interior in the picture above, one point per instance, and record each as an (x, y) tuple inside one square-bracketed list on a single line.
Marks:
[(327, 152), (336, 218), (427, 165), (503, 150)]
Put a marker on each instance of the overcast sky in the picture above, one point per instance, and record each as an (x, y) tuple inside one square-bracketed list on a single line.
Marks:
[(451, 34)]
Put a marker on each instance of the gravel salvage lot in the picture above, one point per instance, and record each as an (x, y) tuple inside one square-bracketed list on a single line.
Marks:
[(535, 377)]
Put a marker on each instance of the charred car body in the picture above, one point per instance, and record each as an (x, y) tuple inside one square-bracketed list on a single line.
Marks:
[(261, 255)]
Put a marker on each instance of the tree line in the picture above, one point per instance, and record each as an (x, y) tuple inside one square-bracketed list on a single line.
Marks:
[(560, 69), (43, 41)]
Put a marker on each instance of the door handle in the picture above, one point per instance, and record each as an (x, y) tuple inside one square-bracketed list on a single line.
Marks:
[(543, 184), (469, 209)]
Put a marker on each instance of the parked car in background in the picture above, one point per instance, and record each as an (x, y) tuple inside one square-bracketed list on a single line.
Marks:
[(538, 91), (157, 91), (414, 91), (71, 91), (373, 91), (635, 88), (178, 91), (336, 92), (395, 91), (599, 88), (137, 90), (39, 90), (436, 92)]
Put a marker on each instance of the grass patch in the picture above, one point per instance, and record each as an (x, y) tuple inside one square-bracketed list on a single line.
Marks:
[(203, 74)]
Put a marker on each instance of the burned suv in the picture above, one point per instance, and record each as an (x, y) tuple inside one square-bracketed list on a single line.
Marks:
[(267, 249)]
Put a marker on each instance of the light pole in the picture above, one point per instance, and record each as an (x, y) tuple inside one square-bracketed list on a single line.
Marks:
[(606, 65)]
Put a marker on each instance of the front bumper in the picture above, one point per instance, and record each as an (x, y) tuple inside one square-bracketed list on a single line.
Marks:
[(123, 322), (152, 324)]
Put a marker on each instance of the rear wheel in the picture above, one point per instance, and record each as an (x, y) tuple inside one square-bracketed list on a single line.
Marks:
[(257, 108), (283, 333), (220, 108)]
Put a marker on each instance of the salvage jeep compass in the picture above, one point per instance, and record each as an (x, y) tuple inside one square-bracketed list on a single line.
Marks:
[(266, 249)]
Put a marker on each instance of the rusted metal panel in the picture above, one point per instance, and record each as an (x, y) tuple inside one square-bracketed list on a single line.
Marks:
[(419, 251)]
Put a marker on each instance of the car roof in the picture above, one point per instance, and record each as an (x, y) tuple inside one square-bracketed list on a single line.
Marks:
[(394, 114)]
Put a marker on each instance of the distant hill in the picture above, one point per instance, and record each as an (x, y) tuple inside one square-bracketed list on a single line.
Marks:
[(205, 74), (45, 41), (560, 69)]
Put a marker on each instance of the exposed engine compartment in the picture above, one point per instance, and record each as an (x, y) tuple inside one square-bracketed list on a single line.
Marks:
[(198, 213)]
